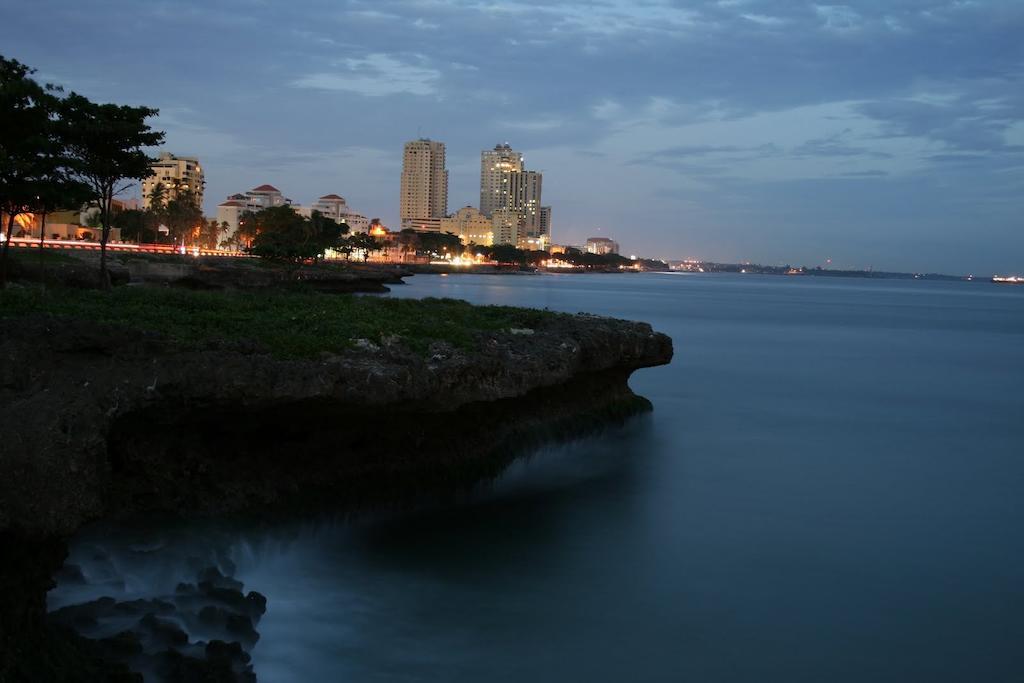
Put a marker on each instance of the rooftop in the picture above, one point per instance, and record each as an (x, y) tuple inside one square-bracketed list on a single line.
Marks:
[(265, 188)]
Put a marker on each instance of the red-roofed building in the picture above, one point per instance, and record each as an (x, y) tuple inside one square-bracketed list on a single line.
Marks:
[(334, 206)]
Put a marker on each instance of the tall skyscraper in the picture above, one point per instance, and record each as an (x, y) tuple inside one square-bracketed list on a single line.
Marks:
[(495, 165), (424, 200), (524, 189)]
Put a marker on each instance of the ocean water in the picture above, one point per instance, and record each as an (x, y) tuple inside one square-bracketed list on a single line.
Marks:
[(830, 488)]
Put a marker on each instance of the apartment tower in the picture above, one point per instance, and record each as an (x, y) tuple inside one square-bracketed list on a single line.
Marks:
[(177, 175), (424, 200), (495, 165)]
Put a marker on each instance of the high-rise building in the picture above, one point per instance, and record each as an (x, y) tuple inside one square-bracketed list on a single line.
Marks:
[(524, 188), (177, 175), (545, 222), (495, 165), (424, 200)]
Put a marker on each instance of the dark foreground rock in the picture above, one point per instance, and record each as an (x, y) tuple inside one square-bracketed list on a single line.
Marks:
[(100, 422)]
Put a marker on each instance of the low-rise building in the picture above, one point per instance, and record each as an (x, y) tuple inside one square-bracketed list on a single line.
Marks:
[(471, 225), (256, 199), (334, 206), (602, 245)]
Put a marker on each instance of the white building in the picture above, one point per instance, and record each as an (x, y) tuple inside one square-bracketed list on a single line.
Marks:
[(424, 191), (334, 206), (256, 199), (177, 175)]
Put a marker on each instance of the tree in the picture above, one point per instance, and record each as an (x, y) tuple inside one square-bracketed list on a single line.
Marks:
[(327, 232), (158, 198), (508, 254), (408, 241), (106, 142), (247, 230), (209, 234), (134, 224), (183, 218), (345, 246), (439, 243), (26, 129), (366, 242), (55, 188)]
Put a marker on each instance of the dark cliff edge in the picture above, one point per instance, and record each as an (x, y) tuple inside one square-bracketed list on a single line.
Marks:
[(101, 422)]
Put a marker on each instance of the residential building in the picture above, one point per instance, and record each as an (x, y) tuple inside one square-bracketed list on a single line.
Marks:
[(423, 224), (505, 227), (256, 199), (334, 206), (527, 243), (602, 245), (545, 223), (266, 196), (524, 190), (495, 165), (177, 175), (506, 184), (424, 191), (471, 225)]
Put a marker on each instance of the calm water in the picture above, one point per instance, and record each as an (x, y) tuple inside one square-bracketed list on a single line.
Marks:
[(830, 488)]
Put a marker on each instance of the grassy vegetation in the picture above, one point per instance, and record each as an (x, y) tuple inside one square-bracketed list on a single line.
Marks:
[(292, 324)]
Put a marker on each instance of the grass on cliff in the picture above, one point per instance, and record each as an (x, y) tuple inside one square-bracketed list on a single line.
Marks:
[(293, 324)]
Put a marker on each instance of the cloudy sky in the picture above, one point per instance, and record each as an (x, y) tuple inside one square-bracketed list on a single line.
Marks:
[(883, 133)]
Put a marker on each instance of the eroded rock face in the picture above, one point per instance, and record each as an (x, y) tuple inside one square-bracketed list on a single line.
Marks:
[(83, 403), (100, 421)]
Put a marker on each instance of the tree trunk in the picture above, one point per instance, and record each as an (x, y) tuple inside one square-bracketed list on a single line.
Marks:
[(104, 234), (42, 240), (7, 246)]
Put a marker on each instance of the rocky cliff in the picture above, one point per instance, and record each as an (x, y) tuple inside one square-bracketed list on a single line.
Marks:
[(99, 421)]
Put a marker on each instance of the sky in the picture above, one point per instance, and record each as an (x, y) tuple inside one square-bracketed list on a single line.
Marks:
[(885, 133)]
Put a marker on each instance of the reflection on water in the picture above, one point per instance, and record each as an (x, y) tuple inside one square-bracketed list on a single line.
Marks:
[(828, 489)]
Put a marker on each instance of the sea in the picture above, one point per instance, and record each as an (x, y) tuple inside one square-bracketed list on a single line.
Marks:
[(830, 487)]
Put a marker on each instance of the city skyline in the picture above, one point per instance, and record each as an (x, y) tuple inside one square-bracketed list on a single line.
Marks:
[(887, 135)]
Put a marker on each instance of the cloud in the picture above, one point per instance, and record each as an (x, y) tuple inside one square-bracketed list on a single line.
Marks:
[(731, 113), (375, 75)]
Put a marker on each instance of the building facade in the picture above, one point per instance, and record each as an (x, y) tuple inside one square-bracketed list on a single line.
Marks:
[(602, 245), (505, 227), (424, 189), (256, 199), (335, 207), (524, 193), (495, 165), (177, 175), (471, 225), (545, 223)]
